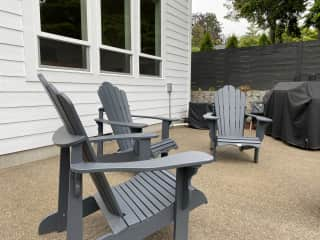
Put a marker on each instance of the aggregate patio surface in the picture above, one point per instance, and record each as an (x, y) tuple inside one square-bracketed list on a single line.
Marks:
[(279, 198)]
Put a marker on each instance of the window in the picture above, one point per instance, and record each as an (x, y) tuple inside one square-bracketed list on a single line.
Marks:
[(117, 40), (63, 36), (115, 50), (62, 54), (150, 30), (115, 62)]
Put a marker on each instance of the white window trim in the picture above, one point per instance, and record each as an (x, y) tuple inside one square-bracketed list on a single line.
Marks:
[(86, 43), (140, 54), (93, 43)]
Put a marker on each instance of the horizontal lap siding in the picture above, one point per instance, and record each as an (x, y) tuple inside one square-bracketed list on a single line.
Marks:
[(27, 117), (177, 52)]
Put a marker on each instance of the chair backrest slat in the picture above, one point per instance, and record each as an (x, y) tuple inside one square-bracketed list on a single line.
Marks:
[(73, 125), (116, 107), (230, 106)]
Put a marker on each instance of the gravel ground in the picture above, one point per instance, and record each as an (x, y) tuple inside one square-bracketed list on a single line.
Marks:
[(279, 198)]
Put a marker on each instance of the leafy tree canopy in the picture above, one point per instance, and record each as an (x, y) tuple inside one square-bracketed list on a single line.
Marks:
[(307, 34), (277, 16), (203, 23), (313, 17)]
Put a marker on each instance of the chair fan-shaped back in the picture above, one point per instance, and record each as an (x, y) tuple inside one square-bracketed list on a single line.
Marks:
[(230, 105), (73, 125), (116, 107)]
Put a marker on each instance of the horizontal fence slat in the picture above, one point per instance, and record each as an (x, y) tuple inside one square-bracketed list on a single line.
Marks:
[(259, 67)]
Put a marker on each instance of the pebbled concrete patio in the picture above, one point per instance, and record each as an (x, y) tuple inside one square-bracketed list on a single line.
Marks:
[(279, 198)]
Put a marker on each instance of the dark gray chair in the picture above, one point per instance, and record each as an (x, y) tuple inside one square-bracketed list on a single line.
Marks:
[(149, 201), (141, 150), (229, 120), (115, 105)]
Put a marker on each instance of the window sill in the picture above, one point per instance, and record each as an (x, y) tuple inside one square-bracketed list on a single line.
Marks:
[(128, 75), (67, 70), (150, 77)]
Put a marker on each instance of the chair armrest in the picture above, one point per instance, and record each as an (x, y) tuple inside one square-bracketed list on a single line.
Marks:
[(157, 118), (166, 122), (210, 116), (135, 136), (212, 124), (262, 124), (181, 160), (260, 118), (63, 138), (121, 124)]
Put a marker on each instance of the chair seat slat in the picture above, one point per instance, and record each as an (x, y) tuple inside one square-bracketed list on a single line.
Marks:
[(153, 191), (133, 196), (166, 178), (161, 189), (130, 203), (164, 184), (157, 204), (142, 198)]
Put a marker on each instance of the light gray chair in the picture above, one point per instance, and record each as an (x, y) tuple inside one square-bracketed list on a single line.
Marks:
[(229, 120), (116, 106), (149, 201)]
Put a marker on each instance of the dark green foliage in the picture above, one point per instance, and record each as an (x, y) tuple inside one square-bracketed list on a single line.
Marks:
[(206, 43), (203, 23), (232, 42), (275, 15), (248, 41), (313, 17), (264, 40)]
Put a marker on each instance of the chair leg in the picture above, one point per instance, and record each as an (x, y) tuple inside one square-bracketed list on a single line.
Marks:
[(256, 155), (181, 217), (75, 208), (57, 222)]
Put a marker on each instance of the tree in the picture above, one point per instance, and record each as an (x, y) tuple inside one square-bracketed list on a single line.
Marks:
[(248, 41), (251, 38), (206, 43), (264, 40), (252, 30), (313, 17), (277, 16), (232, 42), (202, 23), (197, 35), (307, 34)]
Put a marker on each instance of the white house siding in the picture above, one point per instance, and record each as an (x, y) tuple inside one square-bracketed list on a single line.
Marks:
[(27, 117)]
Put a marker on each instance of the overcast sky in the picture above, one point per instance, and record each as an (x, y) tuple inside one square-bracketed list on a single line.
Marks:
[(216, 6)]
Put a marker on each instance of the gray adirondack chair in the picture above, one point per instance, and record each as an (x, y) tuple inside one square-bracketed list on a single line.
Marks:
[(141, 150), (229, 119), (115, 105), (150, 200)]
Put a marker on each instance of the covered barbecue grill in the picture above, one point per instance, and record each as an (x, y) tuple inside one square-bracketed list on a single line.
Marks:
[(295, 110)]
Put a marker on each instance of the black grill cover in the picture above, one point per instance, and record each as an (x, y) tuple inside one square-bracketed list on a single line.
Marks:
[(295, 110), (196, 112)]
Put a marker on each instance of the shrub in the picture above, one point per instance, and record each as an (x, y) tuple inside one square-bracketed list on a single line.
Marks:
[(264, 40), (206, 43), (232, 42)]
